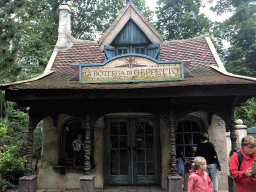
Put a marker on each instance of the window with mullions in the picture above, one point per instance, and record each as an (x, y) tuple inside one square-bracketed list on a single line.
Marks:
[(69, 133), (122, 50), (139, 50), (187, 137)]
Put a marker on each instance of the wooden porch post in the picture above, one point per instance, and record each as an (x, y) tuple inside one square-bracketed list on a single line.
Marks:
[(29, 183), (233, 135), (174, 180), (87, 148), (87, 182)]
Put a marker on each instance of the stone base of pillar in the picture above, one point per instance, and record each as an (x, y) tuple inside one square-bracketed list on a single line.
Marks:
[(174, 183), (87, 183), (28, 183), (231, 184)]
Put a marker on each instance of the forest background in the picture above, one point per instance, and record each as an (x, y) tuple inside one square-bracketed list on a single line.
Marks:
[(29, 31)]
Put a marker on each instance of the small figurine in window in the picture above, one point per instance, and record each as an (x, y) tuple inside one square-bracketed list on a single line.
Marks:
[(78, 150)]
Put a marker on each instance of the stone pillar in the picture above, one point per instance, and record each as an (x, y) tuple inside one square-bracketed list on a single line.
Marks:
[(240, 131), (28, 184), (174, 180), (87, 182)]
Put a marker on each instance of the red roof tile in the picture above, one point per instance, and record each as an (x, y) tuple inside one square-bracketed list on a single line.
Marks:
[(196, 50)]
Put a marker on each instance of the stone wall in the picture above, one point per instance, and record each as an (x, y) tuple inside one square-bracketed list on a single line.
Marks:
[(49, 178), (217, 135)]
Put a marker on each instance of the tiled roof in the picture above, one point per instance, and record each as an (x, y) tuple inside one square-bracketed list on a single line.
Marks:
[(79, 53), (196, 50)]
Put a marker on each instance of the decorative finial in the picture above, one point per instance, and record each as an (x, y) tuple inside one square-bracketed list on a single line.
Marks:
[(64, 3), (128, 1)]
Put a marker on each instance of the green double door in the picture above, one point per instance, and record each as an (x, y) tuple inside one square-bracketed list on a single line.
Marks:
[(132, 151)]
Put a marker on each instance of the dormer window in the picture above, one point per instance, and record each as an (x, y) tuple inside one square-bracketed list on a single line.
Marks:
[(122, 50), (139, 50), (132, 40)]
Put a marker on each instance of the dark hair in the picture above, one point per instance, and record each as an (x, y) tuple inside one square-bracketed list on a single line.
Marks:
[(204, 136)]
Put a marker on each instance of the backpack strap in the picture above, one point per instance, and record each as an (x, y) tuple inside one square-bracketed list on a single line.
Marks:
[(240, 158)]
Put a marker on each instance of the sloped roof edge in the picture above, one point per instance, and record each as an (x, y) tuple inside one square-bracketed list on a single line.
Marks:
[(47, 71), (27, 81), (221, 67), (122, 18)]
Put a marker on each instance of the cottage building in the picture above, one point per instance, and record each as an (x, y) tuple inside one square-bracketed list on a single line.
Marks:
[(134, 99)]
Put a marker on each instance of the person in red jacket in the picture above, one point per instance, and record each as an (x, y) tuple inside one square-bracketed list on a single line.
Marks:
[(242, 174), (199, 180)]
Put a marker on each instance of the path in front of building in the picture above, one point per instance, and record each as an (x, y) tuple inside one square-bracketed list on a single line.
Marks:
[(113, 189), (120, 189)]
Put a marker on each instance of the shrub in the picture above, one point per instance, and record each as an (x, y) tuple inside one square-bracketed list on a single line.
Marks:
[(11, 167), (5, 185)]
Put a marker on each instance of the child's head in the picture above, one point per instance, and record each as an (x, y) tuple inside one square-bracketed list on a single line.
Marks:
[(179, 153), (199, 164)]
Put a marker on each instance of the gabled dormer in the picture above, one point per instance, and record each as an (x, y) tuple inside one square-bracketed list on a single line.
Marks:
[(131, 33)]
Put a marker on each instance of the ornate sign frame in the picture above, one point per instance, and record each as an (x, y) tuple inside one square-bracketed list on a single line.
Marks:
[(131, 68)]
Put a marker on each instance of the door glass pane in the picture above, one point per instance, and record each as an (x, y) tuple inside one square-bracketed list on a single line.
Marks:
[(114, 168), (140, 142), (114, 141), (149, 141), (150, 155), (123, 142), (123, 128), (125, 51), (114, 129), (123, 168), (137, 50), (140, 168), (139, 129), (114, 155), (150, 168), (123, 154), (148, 129), (140, 155)]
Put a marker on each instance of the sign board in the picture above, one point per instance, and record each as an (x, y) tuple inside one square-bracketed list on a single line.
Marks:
[(131, 68)]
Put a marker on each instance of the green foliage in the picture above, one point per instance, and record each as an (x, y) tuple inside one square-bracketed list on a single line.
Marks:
[(175, 20), (4, 185), (240, 31), (9, 38), (3, 130), (247, 112), (11, 166)]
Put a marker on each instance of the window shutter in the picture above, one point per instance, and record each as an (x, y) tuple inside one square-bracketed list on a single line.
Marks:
[(154, 51), (109, 52)]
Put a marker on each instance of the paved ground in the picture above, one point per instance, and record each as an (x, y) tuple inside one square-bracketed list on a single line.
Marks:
[(112, 189)]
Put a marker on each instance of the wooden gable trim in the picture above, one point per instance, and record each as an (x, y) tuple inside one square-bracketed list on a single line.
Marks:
[(129, 12), (221, 67)]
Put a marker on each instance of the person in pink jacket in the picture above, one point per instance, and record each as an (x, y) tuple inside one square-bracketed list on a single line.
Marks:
[(199, 180), (242, 173)]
